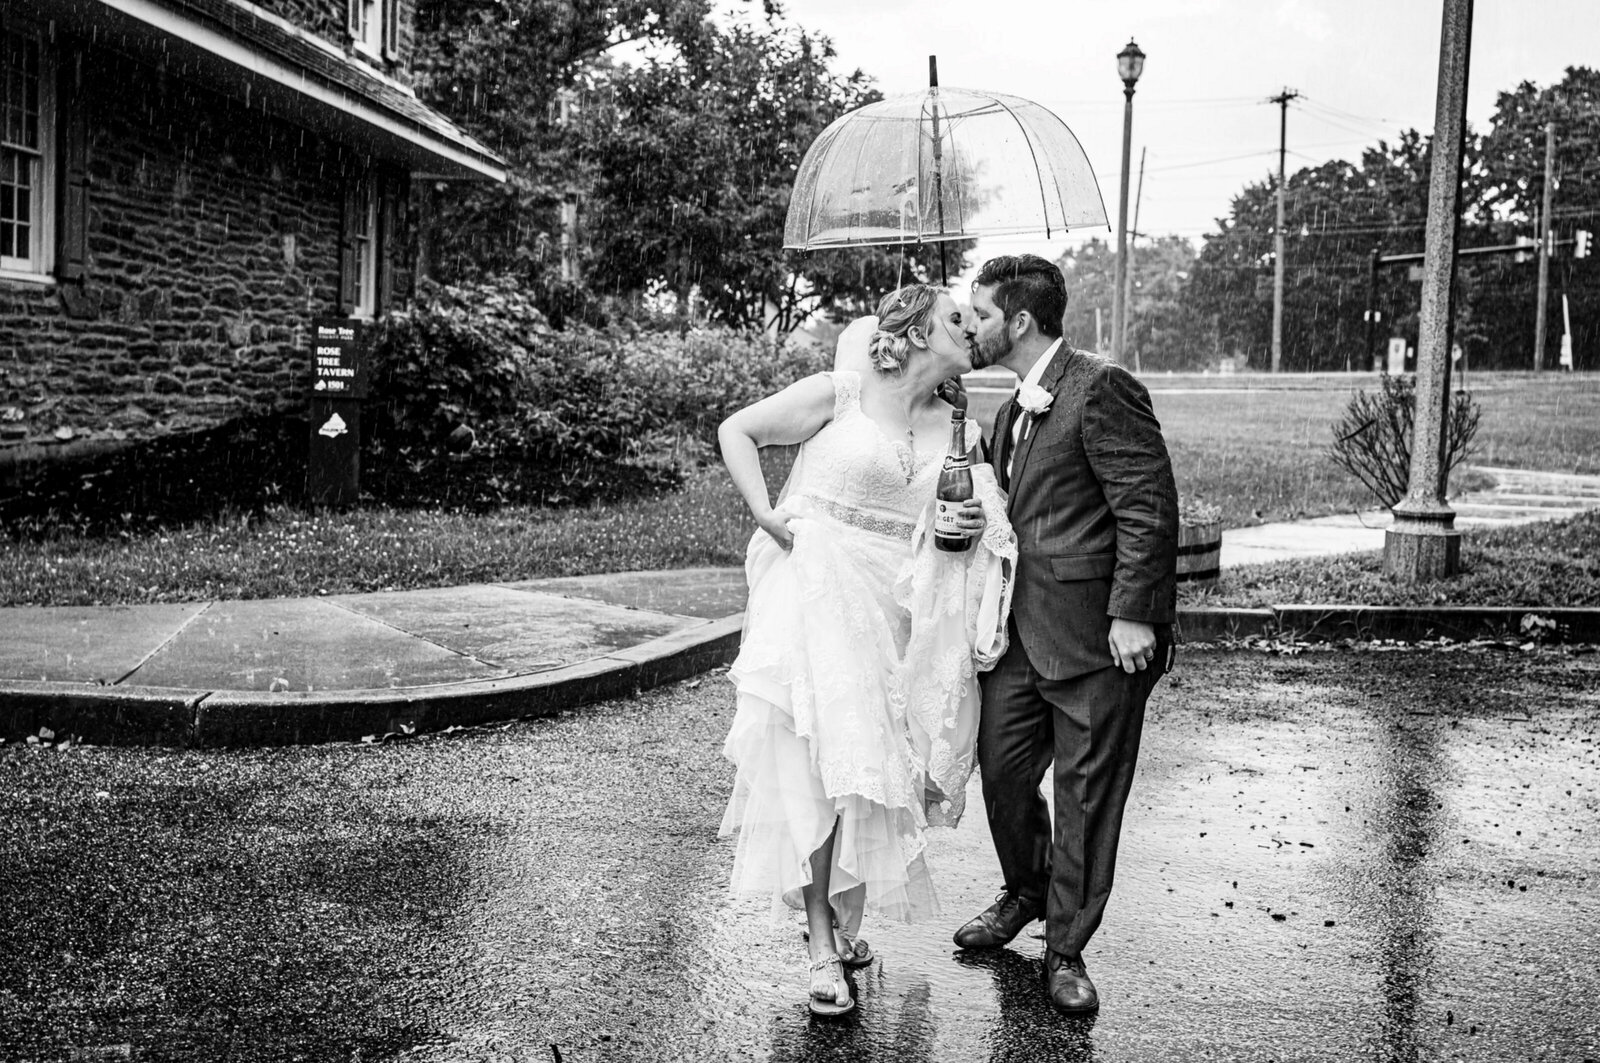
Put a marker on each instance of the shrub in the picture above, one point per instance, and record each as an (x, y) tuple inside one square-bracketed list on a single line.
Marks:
[(462, 354), (1372, 441), (552, 415)]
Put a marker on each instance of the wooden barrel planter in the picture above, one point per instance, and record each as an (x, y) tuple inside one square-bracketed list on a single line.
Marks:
[(1199, 553)]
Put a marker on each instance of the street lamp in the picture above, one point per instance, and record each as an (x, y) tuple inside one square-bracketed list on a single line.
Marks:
[(1130, 64)]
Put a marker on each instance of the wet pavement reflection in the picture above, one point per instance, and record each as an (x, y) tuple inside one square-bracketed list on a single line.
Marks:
[(1369, 855)]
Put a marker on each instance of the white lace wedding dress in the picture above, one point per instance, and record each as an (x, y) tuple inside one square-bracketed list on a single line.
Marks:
[(857, 676)]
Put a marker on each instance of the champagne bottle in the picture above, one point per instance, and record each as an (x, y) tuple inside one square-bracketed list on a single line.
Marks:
[(955, 487)]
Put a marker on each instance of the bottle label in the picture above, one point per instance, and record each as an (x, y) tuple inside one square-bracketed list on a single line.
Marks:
[(956, 461), (946, 520)]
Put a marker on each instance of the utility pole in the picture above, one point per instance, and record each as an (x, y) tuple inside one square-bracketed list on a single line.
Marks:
[(1127, 292), (1545, 237), (1372, 306), (1282, 100)]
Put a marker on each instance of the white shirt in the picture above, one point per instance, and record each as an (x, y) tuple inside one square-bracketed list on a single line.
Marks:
[(1033, 376)]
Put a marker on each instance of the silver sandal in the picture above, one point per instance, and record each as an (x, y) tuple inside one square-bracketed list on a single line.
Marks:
[(830, 993)]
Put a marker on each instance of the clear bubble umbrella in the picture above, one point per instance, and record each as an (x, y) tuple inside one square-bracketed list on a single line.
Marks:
[(939, 165)]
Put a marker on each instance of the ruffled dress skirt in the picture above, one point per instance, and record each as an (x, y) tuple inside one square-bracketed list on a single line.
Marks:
[(820, 734)]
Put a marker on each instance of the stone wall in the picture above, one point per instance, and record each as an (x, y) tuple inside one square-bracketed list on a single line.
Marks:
[(213, 240)]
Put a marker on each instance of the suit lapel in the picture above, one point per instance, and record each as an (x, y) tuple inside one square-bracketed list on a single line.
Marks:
[(1050, 381)]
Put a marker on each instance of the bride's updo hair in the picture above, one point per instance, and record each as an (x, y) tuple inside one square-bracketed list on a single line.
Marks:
[(898, 313)]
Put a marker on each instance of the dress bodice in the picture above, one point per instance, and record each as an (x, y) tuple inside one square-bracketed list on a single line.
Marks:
[(852, 462)]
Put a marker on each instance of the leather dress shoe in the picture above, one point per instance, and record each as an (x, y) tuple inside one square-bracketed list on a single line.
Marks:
[(1000, 922), (1070, 989)]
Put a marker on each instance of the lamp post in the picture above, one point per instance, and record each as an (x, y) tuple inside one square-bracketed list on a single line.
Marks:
[(1130, 64), (1423, 543)]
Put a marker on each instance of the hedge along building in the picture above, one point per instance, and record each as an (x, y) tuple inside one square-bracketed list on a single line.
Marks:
[(184, 186)]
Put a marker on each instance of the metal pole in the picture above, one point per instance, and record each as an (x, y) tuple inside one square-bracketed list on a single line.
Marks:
[(1117, 339), (1282, 100), (1544, 245), (1372, 304), (1423, 543), (1133, 234), (938, 166)]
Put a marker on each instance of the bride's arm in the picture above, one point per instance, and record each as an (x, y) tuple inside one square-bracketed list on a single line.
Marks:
[(793, 415)]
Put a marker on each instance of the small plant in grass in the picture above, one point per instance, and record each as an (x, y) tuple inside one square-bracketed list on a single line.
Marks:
[(1372, 441), (1195, 513)]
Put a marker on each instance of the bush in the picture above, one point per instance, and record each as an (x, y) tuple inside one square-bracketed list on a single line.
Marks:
[(1372, 441), (549, 415)]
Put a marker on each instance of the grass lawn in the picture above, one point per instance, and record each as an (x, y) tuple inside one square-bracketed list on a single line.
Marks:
[(1253, 445), (1260, 453)]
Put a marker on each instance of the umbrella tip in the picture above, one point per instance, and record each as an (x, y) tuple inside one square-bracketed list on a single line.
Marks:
[(933, 71)]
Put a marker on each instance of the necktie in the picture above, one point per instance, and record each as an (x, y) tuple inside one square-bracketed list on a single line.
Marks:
[(1008, 445)]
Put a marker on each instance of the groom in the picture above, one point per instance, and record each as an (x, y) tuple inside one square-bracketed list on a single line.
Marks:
[(1095, 510)]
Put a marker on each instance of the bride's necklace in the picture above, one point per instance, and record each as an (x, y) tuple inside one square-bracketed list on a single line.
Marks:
[(908, 459)]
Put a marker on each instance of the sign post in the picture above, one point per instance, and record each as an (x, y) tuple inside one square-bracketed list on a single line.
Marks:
[(338, 386)]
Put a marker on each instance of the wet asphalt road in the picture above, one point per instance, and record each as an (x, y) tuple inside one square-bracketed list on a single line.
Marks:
[(1338, 855)]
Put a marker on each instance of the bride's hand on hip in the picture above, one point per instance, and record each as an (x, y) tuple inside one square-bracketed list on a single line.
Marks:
[(776, 524)]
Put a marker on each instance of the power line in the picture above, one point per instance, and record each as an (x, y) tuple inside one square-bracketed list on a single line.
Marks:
[(1199, 102), (1387, 123)]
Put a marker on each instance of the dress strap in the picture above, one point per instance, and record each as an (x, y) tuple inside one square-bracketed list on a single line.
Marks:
[(846, 391)]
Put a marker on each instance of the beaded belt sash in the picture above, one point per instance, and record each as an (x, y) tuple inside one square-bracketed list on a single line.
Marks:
[(893, 527)]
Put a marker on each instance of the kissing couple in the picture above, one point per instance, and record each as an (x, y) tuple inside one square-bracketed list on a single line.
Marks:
[(876, 670)]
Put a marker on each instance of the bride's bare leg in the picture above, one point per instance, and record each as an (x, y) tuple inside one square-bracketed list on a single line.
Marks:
[(819, 913)]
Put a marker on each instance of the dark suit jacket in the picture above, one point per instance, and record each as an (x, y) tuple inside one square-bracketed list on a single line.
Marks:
[(1095, 510)]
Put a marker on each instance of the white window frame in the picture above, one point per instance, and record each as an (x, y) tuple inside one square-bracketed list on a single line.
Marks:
[(369, 40), (364, 242), (39, 266)]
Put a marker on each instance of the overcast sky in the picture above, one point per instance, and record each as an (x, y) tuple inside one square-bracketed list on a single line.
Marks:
[(1366, 68)]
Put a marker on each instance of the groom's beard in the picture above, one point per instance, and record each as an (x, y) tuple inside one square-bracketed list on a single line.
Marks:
[(992, 351)]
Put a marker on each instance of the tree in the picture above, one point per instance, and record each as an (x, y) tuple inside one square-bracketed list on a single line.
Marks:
[(495, 67), (1513, 154), (1336, 215), (695, 156), (1164, 332)]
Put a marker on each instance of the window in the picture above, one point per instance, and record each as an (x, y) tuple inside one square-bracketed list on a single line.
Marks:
[(370, 241), (27, 164), (364, 246), (374, 26), (366, 24)]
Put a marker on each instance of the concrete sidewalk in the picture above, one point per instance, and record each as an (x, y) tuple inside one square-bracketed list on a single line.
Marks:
[(1518, 497), (358, 665)]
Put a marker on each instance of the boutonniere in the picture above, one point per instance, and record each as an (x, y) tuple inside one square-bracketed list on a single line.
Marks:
[(1034, 399)]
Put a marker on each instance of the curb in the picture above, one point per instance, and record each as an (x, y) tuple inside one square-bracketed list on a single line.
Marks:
[(207, 719), (1324, 623), (161, 716)]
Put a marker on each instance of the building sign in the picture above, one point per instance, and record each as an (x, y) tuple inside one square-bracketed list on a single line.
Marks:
[(338, 359)]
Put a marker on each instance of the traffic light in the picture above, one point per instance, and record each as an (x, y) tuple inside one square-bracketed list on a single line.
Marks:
[(1580, 243)]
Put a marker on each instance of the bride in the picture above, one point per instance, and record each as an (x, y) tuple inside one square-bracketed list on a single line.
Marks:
[(857, 677)]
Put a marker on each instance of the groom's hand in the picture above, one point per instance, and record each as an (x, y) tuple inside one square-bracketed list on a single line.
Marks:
[(1133, 644)]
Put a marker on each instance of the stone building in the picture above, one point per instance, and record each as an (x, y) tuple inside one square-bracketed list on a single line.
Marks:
[(184, 186)]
